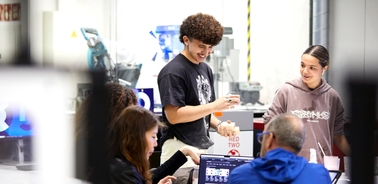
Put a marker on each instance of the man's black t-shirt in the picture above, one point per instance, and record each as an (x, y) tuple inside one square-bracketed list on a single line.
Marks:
[(182, 83)]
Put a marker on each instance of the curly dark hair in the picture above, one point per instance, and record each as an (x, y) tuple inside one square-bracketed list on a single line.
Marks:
[(117, 97), (202, 27)]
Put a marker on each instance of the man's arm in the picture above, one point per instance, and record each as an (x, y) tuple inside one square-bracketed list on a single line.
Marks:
[(342, 143), (190, 113), (187, 113)]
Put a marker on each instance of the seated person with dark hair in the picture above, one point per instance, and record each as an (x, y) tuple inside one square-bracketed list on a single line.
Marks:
[(281, 141), (118, 98), (133, 137)]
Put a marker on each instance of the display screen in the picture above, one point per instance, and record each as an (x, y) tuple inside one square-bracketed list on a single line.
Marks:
[(15, 120), (215, 169)]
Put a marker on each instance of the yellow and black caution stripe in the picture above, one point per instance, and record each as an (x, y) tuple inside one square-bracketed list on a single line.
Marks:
[(248, 41)]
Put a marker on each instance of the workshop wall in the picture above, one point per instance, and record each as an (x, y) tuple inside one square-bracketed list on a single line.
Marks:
[(278, 31), (279, 34)]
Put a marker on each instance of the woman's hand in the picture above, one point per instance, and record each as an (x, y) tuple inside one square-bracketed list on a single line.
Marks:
[(167, 180), (193, 152)]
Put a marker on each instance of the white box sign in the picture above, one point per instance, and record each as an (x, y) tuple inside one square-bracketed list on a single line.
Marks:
[(240, 145)]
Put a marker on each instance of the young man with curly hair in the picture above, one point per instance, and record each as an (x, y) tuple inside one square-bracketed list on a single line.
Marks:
[(186, 86)]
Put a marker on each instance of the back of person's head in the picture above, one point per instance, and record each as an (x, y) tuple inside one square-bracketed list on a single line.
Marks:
[(128, 137), (320, 53), (288, 131), (117, 98), (202, 27)]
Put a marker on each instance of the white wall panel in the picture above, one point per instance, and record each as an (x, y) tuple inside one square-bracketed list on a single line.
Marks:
[(371, 48), (37, 7), (279, 35), (353, 43), (63, 43), (10, 36)]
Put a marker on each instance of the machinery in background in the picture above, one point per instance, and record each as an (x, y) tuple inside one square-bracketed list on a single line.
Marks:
[(99, 59), (249, 92), (221, 60), (169, 42), (97, 52)]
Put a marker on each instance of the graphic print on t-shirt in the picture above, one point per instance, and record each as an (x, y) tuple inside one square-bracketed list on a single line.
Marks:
[(204, 93)]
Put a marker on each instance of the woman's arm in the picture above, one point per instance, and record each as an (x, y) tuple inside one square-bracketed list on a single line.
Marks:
[(278, 105), (169, 167), (338, 134), (342, 143), (175, 162)]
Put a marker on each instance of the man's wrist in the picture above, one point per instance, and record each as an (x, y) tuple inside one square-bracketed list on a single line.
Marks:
[(219, 123)]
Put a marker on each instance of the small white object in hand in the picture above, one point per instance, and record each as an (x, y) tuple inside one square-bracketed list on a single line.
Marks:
[(231, 127)]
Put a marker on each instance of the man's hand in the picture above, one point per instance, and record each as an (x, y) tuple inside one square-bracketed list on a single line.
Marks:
[(226, 102), (227, 129)]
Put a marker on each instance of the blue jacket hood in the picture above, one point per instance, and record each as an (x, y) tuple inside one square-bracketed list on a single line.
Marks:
[(279, 165)]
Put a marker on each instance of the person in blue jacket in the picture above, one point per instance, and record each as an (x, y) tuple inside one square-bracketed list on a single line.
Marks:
[(281, 141)]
